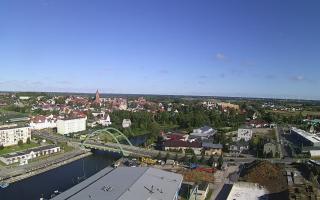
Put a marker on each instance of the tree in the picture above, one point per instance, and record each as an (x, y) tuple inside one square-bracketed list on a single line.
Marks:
[(194, 159), (210, 161), (1, 147), (154, 129), (28, 141), (20, 142), (202, 159), (176, 157), (167, 156), (185, 159), (60, 100), (189, 151), (158, 156), (220, 162)]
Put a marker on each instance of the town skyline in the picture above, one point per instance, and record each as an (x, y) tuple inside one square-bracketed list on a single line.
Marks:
[(257, 49)]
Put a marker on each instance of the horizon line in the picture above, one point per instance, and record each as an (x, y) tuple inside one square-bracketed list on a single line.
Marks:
[(182, 95)]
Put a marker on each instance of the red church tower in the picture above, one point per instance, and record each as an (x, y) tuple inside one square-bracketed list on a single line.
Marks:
[(97, 99)]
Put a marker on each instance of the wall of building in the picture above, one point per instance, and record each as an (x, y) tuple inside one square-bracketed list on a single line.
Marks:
[(11, 136), (71, 125)]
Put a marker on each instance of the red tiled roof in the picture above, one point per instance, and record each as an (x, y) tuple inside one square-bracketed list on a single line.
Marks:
[(175, 136), (180, 143)]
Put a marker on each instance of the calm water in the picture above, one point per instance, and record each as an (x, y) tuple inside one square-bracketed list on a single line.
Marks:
[(62, 178)]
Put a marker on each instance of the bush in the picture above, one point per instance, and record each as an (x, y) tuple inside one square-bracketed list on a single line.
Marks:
[(28, 141), (20, 142)]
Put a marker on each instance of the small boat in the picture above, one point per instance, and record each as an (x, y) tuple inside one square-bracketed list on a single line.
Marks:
[(55, 193), (4, 185)]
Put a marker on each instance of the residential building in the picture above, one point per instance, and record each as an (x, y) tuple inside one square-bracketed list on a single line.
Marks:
[(258, 123), (71, 125), (270, 148), (12, 134), (202, 133), (119, 104), (24, 156), (200, 192), (42, 122), (24, 97), (239, 147), (179, 145), (126, 123), (244, 134), (127, 183), (105, 121), (226, 106), (212, 149), (176, 136)]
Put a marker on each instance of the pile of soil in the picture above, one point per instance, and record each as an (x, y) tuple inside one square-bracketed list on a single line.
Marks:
[(269, 175)]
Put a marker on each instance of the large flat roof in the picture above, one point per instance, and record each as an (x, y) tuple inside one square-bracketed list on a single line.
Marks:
[(311, 137), (124, 183), (245, 190)]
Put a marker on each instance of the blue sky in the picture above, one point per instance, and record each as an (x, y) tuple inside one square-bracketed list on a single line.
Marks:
[(266, 48)]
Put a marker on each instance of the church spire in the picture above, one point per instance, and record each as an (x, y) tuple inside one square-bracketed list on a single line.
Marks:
[(97, 99)]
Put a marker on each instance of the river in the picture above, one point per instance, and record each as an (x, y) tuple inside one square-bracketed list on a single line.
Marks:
[(62, 178)]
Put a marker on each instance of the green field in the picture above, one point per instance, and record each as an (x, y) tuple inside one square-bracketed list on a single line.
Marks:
[(292, 113), (17, 148), (6, 115)]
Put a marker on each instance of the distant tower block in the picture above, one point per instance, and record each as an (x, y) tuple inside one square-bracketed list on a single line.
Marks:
[(97, 99)]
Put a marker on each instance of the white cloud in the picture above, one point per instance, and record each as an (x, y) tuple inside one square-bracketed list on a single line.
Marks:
[(298, 78), (221, 56)]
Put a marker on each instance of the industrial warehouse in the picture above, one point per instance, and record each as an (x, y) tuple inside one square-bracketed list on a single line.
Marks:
[(123, 183)]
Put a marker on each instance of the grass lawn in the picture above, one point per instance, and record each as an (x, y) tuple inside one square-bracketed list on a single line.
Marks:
[(17, 148), (12, 114), (209, 194)]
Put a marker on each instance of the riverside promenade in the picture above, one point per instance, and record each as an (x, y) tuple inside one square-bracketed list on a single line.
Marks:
[(17, 173)]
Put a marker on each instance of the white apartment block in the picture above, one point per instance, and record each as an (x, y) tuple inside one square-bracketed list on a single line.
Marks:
[(245, 134), (11, 134), (71, 125), (43, 122)]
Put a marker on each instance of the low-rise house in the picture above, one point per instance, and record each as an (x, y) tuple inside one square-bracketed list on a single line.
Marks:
[(179, 145), (212, 149), (258, 124), (200, 192), (270, 148), (244, 134), (176, 136), (202, 133), (24, 156), (105, 121), (126, 123), (238, 147), (42, 122)]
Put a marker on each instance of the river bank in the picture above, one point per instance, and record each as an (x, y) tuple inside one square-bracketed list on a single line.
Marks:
[(27, 173), (61, 178)]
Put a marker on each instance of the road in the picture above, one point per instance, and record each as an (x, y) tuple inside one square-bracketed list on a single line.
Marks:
[(222, 178), (279, 145)]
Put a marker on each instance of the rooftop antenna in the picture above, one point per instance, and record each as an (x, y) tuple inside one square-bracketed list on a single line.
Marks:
[(150, 190)]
